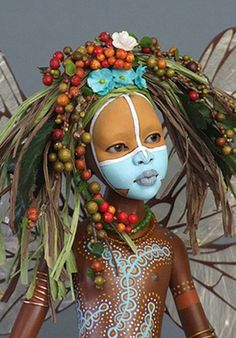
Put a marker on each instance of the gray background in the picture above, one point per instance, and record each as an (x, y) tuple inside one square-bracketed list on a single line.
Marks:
[(32, 30)]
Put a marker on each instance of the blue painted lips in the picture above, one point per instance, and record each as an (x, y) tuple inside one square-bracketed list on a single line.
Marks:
[(148, 177)]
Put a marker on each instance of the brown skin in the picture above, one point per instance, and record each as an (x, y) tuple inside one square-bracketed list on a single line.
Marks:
[(31, 316), (171, 272)]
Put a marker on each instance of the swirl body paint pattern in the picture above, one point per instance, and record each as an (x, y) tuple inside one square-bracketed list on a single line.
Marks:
[(131, 305)]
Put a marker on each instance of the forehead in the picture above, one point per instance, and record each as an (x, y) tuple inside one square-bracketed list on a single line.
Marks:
[(116, 117)]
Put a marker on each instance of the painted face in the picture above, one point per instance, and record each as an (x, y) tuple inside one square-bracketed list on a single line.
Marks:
[(129, 147)]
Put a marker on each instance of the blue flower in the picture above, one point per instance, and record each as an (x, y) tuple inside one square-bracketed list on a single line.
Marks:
[(101, 81), (139, 81), (123, 77)]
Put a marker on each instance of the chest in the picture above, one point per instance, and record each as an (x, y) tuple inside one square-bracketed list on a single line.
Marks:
[(135, 288)]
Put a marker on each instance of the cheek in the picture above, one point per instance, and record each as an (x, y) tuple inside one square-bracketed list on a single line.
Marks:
[(122, 174)]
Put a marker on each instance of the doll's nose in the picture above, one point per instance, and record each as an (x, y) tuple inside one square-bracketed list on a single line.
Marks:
[(142, 157)]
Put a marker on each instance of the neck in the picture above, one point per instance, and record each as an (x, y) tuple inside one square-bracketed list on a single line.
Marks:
[(125, 204)]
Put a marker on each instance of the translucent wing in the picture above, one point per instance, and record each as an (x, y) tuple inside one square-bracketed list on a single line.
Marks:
[(214, 268), (10, 98), (219, 61), (10, 94)]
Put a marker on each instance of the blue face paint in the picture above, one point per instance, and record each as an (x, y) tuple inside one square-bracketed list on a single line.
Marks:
[(140, 172)]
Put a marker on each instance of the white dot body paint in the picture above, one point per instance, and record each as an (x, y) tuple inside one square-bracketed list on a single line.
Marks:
[(140, 171)]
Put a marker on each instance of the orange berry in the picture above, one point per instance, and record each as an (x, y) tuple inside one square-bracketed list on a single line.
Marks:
[(161, 63), (33, 214), (79, 64), (130, 57), (172, 50), (80, 164), (109, 52), (80, 72), (127, 65), (119, 64), (63, 100), (111, 60), (74, 91), (121, 53), (111, 209), (120, 227), (95, 64), (101, 57), (99, 226), (32, 210), (90, 49)]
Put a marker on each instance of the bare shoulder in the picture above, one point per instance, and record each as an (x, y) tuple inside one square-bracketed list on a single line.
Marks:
[(178, 246)]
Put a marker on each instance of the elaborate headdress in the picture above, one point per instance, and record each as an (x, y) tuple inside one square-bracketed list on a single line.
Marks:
[(43, 145)]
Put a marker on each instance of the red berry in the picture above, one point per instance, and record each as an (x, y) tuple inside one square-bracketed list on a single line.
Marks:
[(109, 43), (86, 174), (47, 79), (128, 229), (59, 109), (104, 37), (193, 95), (105, 64), (108, 217), (103, 206), (75, 80), (98, 196), (57, 135), (58, 54), (80, 164), (146, 50), (54, 63), (98, 50), (133, 219), (122, 216), (86, 63), (80, 150), (99, 226), (97, 266)]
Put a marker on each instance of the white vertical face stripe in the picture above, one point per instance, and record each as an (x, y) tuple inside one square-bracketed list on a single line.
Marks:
[(136, 125), (139, 147)]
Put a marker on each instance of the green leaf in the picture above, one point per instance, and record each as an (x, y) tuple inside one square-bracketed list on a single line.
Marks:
[(24, 256), (129, 241), (96, 249), (145, 42), (91, 273), (197, 112), (70, 68), (86, 91), (134, 36), (177, 54), (98, 200), (31, 165), (68, 238), (22, 109), (2, 247)]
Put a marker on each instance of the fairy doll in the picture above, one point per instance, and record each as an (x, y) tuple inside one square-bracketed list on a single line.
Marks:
[(101, 116)]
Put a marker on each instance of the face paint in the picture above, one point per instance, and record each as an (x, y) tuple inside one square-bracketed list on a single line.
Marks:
[(140, 171)]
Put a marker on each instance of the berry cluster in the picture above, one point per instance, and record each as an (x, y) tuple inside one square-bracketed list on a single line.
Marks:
[(226, 138), (102, 218), (103, 215), (32, 216)]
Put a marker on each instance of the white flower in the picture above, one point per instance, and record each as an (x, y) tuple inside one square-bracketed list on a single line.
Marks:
[(124, 40)]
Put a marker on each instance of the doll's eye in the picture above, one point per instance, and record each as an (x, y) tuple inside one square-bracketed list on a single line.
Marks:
[(117, 148), (153, 138)]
